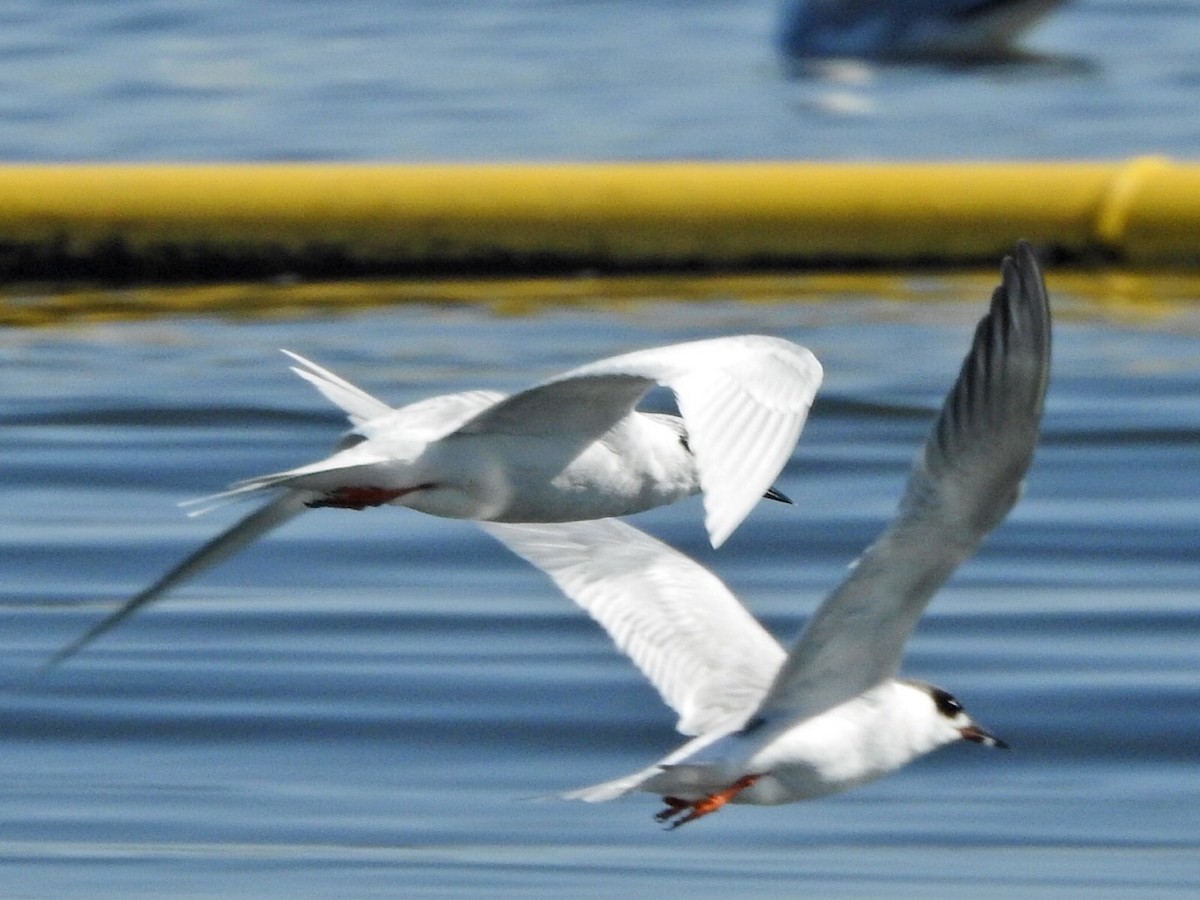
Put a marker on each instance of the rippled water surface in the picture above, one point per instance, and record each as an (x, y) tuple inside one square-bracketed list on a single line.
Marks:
[(364, 704), (550, 79)]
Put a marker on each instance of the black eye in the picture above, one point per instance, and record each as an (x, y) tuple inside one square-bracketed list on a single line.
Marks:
[(683, 441), (946, 704)]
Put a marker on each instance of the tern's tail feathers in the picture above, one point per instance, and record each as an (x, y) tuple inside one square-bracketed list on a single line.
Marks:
[(299, 478), (198, 506), (357, 404)]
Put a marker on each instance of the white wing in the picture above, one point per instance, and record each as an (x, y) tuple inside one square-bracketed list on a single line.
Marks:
[(963, 483), (744, 401), (423, 421), (266, 518), (705, 654)]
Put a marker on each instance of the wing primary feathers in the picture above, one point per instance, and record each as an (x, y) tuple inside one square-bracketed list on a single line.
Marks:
[(963, 482), (228, 542), (709, 659)]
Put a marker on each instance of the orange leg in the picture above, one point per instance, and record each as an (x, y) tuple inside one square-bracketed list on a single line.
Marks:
[(703, 806)]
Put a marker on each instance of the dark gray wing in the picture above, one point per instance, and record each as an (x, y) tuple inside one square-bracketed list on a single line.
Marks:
[(963, 482)]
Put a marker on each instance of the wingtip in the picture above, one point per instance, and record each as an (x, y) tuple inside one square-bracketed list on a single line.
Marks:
[(1023, 270), (718, 531), (1025, 282), (72, 649), (108, 623), (266, 518)]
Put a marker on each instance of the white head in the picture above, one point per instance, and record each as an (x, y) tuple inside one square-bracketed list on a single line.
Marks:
[(933, 718)]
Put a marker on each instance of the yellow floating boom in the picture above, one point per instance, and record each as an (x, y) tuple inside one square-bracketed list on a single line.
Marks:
[(212, 222)]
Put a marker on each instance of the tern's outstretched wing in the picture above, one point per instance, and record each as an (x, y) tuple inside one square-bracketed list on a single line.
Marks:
[(436, 416), (744, 401), (224, 545), (964, 481), (705, 654)]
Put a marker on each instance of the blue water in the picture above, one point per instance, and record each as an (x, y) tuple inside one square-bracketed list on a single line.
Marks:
[(552, 79), (363, 704)]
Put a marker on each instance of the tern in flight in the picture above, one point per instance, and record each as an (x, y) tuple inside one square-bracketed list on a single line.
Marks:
[(770, 725), (572, 447)]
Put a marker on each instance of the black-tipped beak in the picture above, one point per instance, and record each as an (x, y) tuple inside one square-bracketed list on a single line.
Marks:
[(773, 494), (977, 735)]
